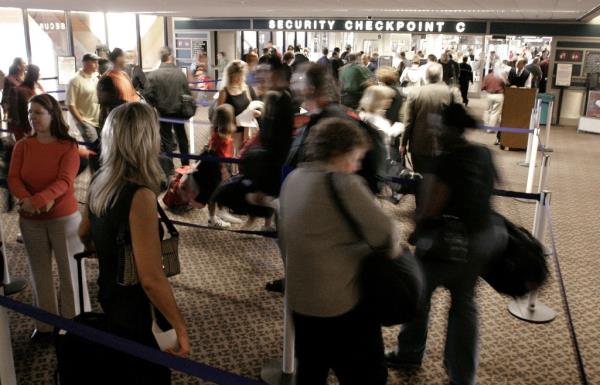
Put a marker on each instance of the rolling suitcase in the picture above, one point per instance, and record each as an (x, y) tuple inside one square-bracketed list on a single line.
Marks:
[(80, 361)]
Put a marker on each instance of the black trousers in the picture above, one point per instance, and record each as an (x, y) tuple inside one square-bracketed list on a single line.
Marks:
[(167, 141), (422, 164), (464, 92), (350, 344)]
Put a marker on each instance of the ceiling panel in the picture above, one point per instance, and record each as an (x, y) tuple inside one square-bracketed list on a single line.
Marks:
[(480, 9)]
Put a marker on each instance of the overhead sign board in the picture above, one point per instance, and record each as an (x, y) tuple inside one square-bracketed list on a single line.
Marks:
[(370, 25)]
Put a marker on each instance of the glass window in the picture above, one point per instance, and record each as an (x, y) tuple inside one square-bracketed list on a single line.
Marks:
[(279, 41), (290, 39), (301, 39), (48, 37), (11, 24), (152, 34), (89, 31), (263, 38), (121, 31), (249, 38)]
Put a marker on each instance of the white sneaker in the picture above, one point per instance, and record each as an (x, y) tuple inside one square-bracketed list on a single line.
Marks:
[(224, 215), (218, 223)]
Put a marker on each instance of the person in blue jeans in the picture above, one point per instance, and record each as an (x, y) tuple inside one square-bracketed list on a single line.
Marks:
[(460, 186)]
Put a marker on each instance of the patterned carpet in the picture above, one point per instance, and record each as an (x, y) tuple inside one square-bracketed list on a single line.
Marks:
[(236, 325)]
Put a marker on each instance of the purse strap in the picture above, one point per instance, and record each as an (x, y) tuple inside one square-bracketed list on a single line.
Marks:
[(352, 223), (165, 219), (124, 226)]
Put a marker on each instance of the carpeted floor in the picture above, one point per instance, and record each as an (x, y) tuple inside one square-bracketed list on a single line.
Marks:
[(236, 325)]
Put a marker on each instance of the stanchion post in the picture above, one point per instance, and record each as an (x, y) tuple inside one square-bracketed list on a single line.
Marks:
[(544, 172), (529, 308), (7, 361), (15, 285), (192, 136), (525, 163), (532, 160), (282, 371), (548, 127)]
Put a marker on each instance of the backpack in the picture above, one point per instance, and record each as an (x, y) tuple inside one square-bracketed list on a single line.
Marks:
[(373, 165)]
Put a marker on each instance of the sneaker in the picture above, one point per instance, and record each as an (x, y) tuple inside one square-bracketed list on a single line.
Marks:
[(393, 361), (268, 229), (218, 223), (224, 215)]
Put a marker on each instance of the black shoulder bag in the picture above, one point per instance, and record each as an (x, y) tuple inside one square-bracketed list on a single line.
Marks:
[(392, 287)]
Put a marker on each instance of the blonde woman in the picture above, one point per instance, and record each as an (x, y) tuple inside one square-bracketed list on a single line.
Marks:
[(124, 191), (372, 109), (238, 94)]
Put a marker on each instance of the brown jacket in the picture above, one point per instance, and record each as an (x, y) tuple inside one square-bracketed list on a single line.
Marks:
[(423, 105)]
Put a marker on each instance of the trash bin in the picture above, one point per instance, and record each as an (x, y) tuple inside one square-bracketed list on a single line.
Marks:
[(546, 99)]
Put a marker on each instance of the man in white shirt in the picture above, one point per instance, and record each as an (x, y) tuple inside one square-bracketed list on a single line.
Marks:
[(430, 60), (82, 98)]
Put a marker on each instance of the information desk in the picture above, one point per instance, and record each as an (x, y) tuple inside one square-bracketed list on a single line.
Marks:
[(516, 113)]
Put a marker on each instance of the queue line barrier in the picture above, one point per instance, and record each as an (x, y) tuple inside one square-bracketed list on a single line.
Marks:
[(184, 365)]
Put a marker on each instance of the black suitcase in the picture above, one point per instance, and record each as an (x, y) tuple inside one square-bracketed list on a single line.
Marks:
[(80, 361)]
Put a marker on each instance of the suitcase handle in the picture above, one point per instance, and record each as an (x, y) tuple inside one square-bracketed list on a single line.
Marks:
[(79, 259)]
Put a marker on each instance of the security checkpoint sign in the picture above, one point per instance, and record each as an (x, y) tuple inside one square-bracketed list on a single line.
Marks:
[(370, 25)]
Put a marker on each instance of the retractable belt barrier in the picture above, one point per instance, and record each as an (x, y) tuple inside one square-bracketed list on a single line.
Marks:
[(184, 365), (204, 81), (507, 129)]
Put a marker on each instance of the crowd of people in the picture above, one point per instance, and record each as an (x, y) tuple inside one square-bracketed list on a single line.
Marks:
[(342, 119)]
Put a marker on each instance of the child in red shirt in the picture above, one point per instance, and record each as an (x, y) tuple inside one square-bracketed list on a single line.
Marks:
[(221, 143)]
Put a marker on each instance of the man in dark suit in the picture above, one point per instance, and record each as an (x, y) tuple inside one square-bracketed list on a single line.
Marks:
[(519, 76), (299, 58)]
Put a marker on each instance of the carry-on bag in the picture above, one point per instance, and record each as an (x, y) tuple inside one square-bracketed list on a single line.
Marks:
[(522, 267), (79, 361), (392, 287)]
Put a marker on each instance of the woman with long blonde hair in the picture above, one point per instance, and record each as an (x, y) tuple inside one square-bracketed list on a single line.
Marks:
[(124, 191), (236, 92)]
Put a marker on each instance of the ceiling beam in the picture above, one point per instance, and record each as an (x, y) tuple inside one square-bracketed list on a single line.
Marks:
[(587, 17)]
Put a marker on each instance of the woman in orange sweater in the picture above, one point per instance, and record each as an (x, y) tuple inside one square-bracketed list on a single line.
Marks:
[(42, 176)]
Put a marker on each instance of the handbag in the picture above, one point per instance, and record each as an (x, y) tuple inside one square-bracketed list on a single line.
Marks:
[(392, 287), (126, 270), (188, 106), (521, 267)]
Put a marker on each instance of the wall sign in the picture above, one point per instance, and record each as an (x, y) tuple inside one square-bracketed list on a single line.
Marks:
[(563, 74), (368, 25), (67, 68)]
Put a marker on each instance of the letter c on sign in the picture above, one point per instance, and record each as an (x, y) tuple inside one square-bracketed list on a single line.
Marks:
[(289, 24), (460, 27), (348, 25)]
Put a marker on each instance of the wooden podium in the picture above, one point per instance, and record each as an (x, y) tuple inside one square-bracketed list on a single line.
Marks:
[(516, 113)]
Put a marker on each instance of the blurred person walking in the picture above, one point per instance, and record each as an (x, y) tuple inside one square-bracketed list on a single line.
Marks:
[(334, 329), (18, 102), (457, 204)]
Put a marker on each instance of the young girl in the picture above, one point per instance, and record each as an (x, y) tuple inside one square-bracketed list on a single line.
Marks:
[(220, 145)]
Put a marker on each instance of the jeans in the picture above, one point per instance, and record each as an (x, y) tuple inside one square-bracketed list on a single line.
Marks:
[(167, 142), (351, 344), (461, 354)]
